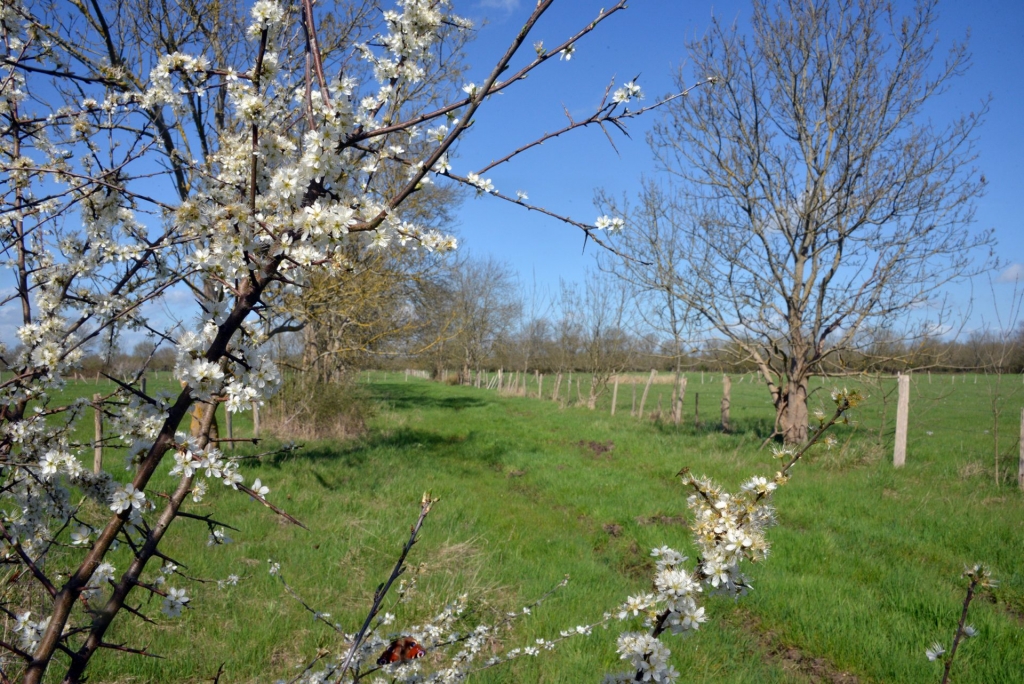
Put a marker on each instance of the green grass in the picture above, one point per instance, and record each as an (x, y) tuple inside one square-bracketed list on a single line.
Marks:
[(862, 577)]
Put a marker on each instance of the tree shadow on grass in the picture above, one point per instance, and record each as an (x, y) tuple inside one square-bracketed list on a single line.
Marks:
[(414, 444), (404, 397), (759, 428)]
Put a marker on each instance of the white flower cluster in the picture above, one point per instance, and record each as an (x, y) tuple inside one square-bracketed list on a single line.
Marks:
[(173, 602), (101, 577), (266, 14), (127, 497), (161, 86), (628, 92), (191, 460), (481, 184), (677, 590), (612, 224), (412, 32), (29, 631), (647, 656), (241, 384), (727, 529), (39, 505)]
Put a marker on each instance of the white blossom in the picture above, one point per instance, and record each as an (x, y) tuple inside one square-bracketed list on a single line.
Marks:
[(174, 602)]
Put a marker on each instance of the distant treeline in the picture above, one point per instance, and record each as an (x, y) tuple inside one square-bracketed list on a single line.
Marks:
[(549, 348)]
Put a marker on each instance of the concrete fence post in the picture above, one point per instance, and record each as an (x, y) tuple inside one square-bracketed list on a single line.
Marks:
[(899, 454), (726, 401)]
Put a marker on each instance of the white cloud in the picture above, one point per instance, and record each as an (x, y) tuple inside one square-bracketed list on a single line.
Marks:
[(1014, 273)]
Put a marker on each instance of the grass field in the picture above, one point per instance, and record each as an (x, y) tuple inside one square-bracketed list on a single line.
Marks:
[(864, 572)]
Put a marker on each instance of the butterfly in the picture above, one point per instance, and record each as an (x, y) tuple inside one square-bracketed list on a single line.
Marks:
[(400, 651)]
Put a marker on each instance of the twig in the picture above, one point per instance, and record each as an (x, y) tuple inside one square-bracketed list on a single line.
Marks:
[(979, 576), (287, 516), (382, 590)]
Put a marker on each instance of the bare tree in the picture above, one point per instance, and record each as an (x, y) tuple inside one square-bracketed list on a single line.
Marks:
[(478, 303), (996, 347), (652, 278), (808, 195), (597, 313)]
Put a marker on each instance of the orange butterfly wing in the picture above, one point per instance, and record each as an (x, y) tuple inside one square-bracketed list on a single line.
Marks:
[(400, 651)]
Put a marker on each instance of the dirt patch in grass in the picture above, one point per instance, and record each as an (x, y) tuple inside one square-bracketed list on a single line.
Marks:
[(1016, 612), (790, 658), (1012, 605), (598, 449), (612, 529)]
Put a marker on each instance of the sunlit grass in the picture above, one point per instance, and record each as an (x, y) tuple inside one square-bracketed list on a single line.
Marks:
[(863, 574)]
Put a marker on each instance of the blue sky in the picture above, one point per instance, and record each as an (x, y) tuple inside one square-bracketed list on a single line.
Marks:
[(648, 39)]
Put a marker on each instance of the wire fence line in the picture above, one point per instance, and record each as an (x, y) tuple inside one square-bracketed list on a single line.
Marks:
[(973, 416)]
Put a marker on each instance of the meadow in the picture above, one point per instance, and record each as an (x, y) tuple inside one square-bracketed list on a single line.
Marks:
[(864, 572)]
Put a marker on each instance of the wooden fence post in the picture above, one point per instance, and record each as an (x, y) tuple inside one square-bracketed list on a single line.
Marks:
[(255, 419), (97, 445), (899, 454), (615, 396), (647, 388), (677, 410), (540, 386), (726, 401), (696, 410), (228, 427), (672, 399), (632, 411), (143, 388), (558, 386), (1020, 463)]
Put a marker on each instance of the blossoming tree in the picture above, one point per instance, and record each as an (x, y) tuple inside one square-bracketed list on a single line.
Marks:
[(143, 150)]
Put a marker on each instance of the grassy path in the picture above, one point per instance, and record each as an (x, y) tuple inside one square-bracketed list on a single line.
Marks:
[(863, 575)]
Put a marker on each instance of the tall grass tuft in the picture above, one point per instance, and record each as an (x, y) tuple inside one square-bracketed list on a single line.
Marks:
[(308, 409)]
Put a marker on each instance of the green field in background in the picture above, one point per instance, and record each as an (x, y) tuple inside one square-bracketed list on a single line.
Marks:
[(863, 575)]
